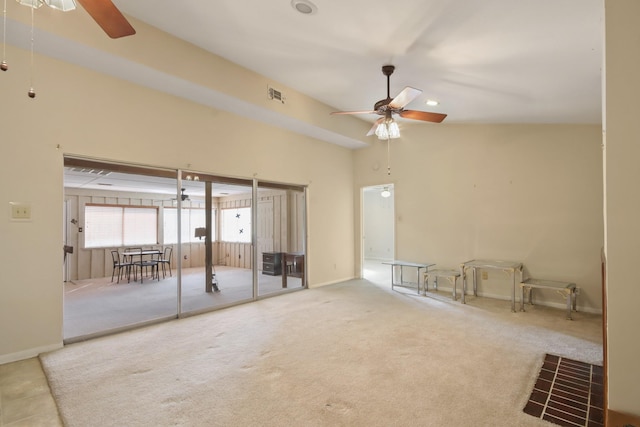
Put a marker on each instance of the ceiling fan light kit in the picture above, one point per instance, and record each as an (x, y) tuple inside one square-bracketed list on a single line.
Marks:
[(31, 3), (388, 129), (63, 5)]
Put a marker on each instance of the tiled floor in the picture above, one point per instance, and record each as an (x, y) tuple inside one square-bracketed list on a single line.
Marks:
[(25, 397), (568, 393)]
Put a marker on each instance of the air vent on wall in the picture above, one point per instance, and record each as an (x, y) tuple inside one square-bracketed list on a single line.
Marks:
[(275, 95)]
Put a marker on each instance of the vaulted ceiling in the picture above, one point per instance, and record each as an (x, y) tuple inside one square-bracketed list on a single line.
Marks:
[(489, 61)]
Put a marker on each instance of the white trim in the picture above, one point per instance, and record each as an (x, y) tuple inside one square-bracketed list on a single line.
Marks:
[(333, 282), (561, 305), (28, 354)]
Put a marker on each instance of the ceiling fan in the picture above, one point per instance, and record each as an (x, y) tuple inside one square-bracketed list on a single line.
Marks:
[(110, 19), (183, 196), (388, 107), (104, 12)]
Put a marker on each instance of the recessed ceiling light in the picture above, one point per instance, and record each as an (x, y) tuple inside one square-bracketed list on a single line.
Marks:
[(432, 102), (304, 6)]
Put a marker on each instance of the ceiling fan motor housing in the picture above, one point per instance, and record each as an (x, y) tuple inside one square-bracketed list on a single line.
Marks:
[(387, 70), (381, 106)]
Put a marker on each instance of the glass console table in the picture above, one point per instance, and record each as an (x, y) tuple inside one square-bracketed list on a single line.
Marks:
[(508, 267), (402, 264)]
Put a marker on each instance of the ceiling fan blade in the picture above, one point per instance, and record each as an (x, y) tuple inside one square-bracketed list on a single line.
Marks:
[(425, 116), (107, 15), (375, 126), (407, 95), (353, 112)]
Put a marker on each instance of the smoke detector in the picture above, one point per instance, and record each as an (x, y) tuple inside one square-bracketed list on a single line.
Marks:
[(304, 6)]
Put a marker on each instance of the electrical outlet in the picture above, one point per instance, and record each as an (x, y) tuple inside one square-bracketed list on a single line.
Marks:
[(485, 275), (20, 210)]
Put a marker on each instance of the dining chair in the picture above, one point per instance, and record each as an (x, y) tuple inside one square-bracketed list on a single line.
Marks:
[(119, 265), (144, 265), (165, 260)]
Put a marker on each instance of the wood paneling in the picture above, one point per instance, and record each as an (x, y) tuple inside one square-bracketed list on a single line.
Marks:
[(287, 223)]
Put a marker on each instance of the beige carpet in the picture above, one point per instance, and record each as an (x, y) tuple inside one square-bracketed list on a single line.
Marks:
[(351, 354)]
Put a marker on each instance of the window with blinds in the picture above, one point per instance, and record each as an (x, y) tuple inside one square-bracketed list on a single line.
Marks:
[(113, 226)]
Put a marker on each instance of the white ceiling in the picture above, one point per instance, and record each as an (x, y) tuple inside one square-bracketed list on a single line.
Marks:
[(488, 61)]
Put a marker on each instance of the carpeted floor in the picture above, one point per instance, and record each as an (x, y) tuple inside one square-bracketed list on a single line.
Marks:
[(94, 306), (350, 354)]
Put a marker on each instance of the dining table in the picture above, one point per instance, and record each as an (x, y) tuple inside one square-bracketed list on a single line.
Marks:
[(130, 255)]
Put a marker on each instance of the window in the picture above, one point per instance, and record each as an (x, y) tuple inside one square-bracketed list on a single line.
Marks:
[(192, 218), (236, 225), (110, 226)]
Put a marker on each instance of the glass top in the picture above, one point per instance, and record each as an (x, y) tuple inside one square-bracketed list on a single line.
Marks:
[(408, 263), (488, 263)]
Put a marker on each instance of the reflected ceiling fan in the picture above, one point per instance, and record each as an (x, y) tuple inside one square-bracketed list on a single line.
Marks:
[(386, 127), (104, 12), (183, 196)]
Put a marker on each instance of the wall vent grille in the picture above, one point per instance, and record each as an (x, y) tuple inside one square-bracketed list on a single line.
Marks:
[(275, 95)]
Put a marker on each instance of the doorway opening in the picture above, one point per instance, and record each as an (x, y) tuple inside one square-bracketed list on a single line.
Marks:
[(378, 230)]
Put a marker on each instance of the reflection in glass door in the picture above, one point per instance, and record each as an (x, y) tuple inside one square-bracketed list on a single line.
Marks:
[(280, 238)]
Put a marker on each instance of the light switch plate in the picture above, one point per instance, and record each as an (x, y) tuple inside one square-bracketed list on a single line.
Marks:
[(20, 211)]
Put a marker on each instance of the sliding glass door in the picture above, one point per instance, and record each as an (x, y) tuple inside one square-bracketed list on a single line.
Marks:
[(216, 256), (280, 238), (148, 244), (115, 235)]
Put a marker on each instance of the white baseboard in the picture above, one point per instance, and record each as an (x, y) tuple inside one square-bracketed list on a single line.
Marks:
[(28, 354), (333, 282), (552, 304)]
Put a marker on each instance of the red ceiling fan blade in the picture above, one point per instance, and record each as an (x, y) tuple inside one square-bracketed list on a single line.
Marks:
[(107, 15), (375, 126), (422, 115), (352, 112), (407, 95)]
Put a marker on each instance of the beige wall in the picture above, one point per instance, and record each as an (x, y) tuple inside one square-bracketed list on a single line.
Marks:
[(622, 86), (513, 192), (84, 113)]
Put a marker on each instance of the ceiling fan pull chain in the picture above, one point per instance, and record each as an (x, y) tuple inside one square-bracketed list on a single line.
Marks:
[(32, 93), (3, 64), (388, 158)]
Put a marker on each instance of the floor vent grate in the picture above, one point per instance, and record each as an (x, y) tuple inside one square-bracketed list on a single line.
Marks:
[(568, 393)]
